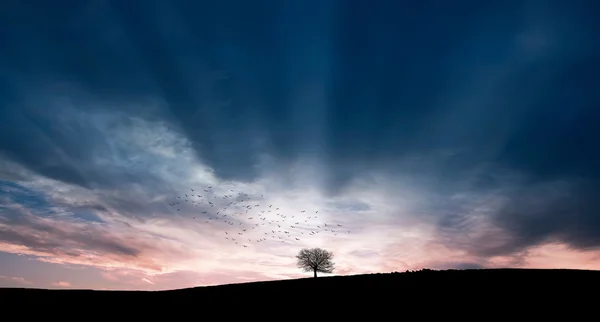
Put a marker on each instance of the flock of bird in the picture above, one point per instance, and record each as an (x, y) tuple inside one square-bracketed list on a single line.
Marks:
[(249, 219)]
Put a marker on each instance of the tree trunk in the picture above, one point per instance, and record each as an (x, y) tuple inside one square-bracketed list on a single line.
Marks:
[(315, 272)]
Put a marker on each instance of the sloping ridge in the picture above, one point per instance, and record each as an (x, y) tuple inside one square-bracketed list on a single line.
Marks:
[(390, 292), (474, 278), (417, 280)]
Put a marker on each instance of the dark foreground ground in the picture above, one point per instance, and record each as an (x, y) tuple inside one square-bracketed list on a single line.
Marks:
[(429, 293)]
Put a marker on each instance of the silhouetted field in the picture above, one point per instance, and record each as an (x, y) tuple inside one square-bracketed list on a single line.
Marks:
[(524, 287)]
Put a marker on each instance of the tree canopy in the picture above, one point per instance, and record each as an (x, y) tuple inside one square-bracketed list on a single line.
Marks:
[(315, 260)]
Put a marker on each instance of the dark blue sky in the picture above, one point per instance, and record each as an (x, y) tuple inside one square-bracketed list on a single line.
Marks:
[(463, 96)]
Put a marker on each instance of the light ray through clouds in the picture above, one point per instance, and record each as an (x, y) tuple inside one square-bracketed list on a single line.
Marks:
[(132, 225), (465, 142)]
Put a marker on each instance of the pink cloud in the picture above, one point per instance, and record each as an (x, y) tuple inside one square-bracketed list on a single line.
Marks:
[(177, 252), (437, 256), (61, 241), (148, 281), (135, 258), (136, 280), (61, 284), (109, 276), (11, 281)]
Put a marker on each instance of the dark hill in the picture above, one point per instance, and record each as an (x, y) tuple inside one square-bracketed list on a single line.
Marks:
[(426, 287)]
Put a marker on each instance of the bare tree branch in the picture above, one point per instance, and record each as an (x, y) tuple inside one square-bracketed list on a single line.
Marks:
[(315, 260)]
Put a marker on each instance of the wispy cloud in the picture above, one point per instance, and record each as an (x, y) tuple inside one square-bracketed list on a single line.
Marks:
[(61, 284), (11, 281), (125, 226)]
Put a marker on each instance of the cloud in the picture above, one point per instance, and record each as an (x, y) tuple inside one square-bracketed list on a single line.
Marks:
[(521, 214), (130, 227), (147, 281), (562, 211), (490, 162), (10, 281), (61, 284), (127, 227), (65, 241), (128, 224)]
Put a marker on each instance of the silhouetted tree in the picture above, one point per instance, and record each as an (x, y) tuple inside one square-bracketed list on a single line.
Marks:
[(315, 260)]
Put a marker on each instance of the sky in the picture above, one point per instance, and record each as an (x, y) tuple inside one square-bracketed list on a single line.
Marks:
[(430, 134)]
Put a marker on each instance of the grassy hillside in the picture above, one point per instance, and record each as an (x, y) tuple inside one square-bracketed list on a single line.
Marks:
[(421, 287)]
